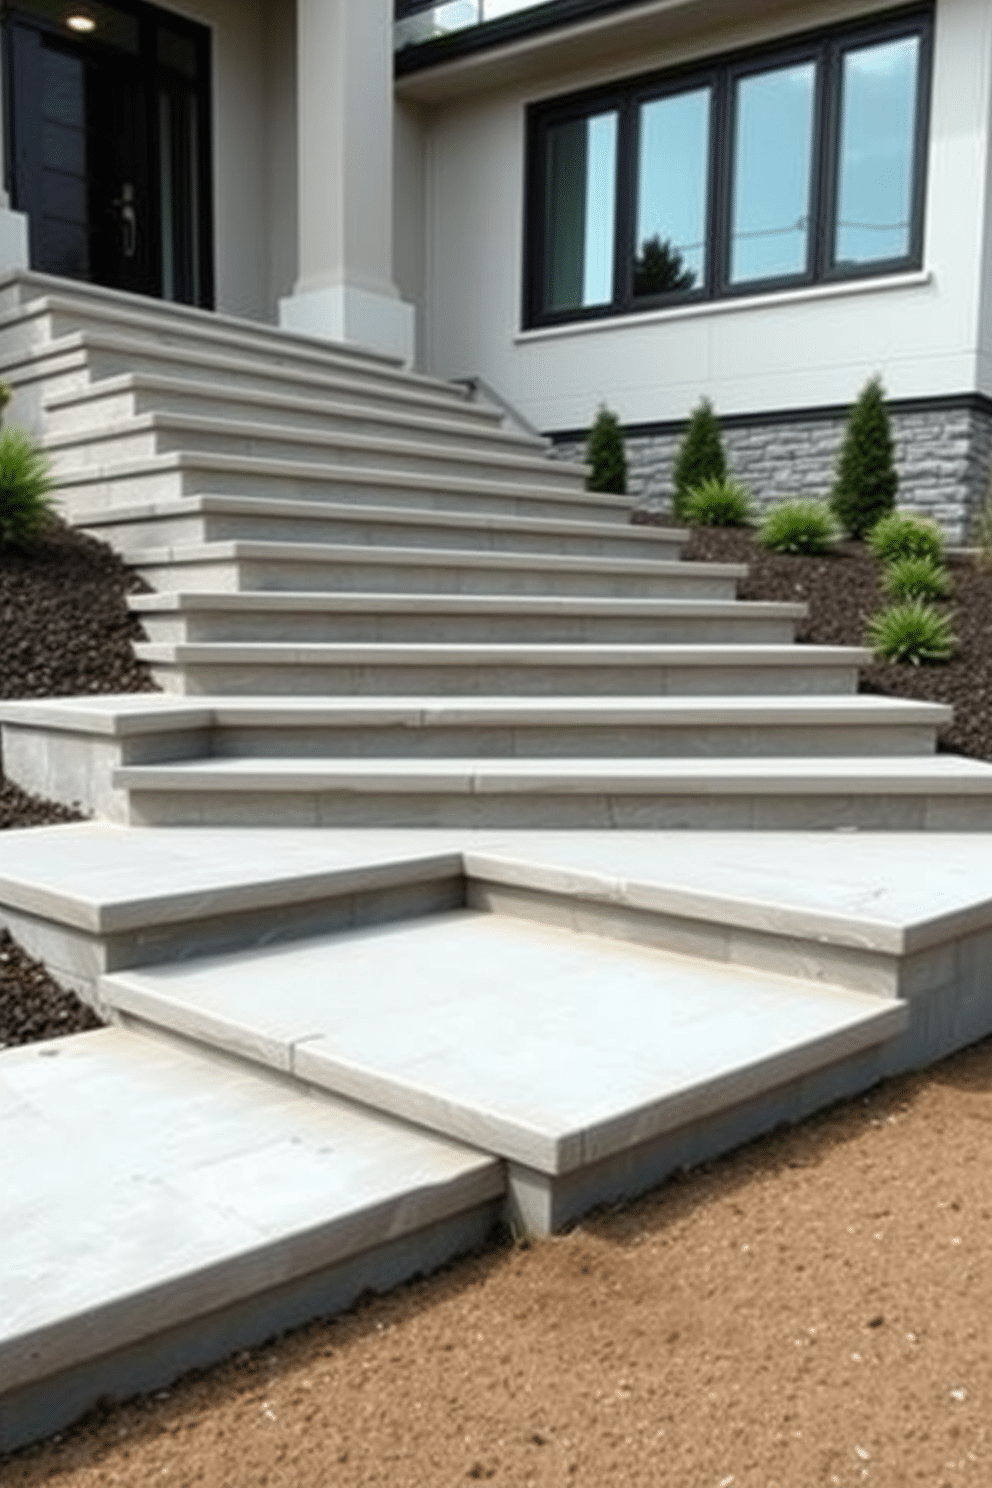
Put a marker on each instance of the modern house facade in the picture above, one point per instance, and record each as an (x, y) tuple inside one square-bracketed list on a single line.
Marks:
[(581, 201)]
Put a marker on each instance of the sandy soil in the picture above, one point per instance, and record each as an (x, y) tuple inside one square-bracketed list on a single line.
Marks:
[(812, 1310)]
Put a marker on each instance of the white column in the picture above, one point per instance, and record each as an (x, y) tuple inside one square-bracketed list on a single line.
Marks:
[(13, 225), (345, 289)]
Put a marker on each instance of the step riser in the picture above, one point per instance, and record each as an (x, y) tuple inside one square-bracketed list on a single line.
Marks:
[(98, 410), (370, 573), (108, 449), (572, 741), (133, 536), (587, 811), (242, 679), (80, 498), (206, 627)]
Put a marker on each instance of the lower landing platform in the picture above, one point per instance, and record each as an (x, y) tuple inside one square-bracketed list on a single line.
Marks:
[(161, 1209)]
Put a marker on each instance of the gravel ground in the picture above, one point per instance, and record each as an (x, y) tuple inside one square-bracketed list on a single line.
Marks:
[(65, 629)]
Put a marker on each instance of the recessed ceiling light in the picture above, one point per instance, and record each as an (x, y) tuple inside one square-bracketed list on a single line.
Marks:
[(80, 22)]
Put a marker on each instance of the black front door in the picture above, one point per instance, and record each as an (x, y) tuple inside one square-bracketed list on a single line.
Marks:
[(108, 145)]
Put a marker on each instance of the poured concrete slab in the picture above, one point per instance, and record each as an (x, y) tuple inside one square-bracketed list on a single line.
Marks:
[(159, 1209)]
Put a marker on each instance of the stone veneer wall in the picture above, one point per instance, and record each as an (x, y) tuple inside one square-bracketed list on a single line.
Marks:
[(943, 456)]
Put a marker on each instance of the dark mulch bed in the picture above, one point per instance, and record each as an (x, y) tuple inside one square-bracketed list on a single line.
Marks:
[(843, 590), (65, 629)]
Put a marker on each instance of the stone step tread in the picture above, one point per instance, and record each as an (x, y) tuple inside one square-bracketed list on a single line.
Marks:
[(138, 314), (121, 716), (273, 404), (906, 775), (549, 1048), (869, 890), (282, 600), (518, 654), (313, 441), (337, 511), (78, 346), (145, 1185), (246, 550), (469, 487)]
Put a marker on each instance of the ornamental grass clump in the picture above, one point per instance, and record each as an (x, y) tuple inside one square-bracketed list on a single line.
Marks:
[(798, 527), (916, 578), (865, 489), (26, 507), (700, 457), (718, 503), (913, 632), (900, 536), (606, 454)]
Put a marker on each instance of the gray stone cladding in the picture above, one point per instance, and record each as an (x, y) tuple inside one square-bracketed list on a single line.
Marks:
[(943, 458)]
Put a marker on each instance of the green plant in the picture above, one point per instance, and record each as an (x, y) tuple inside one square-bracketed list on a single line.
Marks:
[(865, 489), (900, 536), (700, 457), (718, 503), (916, 578), (799, 527), (605, 453), (25, 503), (912, 632)]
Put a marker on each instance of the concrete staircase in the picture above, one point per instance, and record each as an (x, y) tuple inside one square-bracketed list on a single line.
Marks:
[(441, 938)]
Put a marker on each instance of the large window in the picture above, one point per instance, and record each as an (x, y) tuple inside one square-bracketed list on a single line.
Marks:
[(780, 168)]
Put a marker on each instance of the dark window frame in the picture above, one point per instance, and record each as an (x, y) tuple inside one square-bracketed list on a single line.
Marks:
[(827, 48)]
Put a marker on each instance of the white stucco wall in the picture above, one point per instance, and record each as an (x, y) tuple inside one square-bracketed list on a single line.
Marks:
[(797, 349), (254, 130)]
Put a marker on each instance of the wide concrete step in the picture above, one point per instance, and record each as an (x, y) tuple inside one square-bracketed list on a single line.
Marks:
[(578, 1059), (161, 1210), (320, 617), (77, 362), (152, 434), (941, 794), (173, 476), (35, 312), (69, 749), (247, 565), (122, 398), (425, 669), (207, 519)]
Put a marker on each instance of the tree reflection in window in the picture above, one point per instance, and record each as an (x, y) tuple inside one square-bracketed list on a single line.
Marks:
[(659, 268)]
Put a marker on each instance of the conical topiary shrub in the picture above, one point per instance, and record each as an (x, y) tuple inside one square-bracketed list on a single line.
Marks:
[(606, 454), (865, 490), (700, 457)]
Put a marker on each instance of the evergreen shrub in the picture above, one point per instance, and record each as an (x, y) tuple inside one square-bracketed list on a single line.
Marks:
[(865, 489), (700, 457), (606, 454)]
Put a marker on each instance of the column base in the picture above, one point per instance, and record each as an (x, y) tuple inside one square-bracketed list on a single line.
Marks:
[(13, 240), (359, 317)]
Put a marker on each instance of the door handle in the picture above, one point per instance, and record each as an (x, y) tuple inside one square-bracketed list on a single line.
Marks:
[(129, 219)]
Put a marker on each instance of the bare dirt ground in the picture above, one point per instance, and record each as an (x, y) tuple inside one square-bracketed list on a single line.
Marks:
[(811, 1310)]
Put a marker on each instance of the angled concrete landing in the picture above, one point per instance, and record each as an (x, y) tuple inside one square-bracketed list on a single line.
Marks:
[(160, 1209)]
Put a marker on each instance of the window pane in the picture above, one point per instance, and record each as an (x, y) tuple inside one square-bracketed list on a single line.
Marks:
[(580, 212), (773, 140), (875, 171), (672, 171)]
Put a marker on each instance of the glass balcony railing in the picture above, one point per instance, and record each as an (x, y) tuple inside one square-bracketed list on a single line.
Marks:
[(426, 20)]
